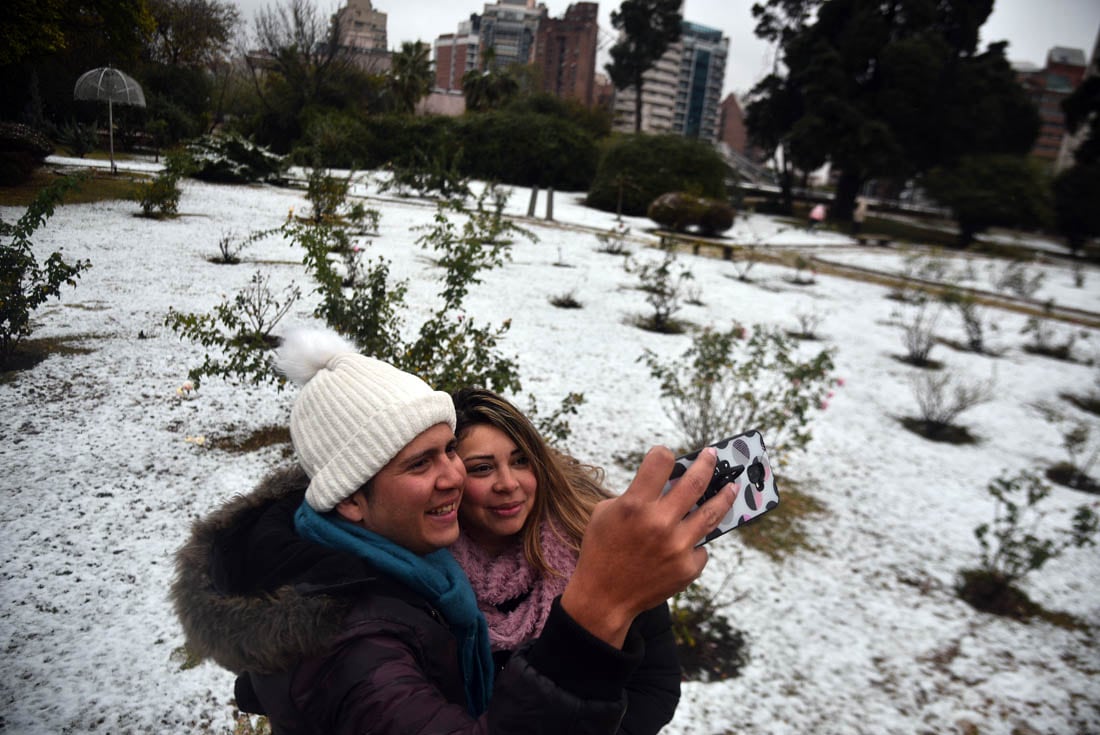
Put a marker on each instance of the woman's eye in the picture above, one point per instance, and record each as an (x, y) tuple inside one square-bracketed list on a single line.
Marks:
[(478, 469), (521, 462)]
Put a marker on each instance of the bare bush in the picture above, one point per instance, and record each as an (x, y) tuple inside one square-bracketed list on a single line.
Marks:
[(918, 324), (1015, 279), (942, 398)]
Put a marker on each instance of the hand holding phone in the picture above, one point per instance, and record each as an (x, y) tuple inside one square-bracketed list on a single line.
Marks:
[(742, 460)]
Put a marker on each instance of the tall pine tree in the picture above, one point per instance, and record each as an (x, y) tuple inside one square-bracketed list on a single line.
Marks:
[(648, 28), (888, 89)]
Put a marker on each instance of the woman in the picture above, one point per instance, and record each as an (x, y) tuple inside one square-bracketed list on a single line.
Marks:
[(523, 513)]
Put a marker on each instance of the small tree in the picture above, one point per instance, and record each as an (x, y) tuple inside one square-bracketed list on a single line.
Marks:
[(160, 197), (744, 260), (1015, 279), (326, 193), (729, 382), (450, 351), (1012, 545), (663, 284), (918, 321), (1082, 449), (974, 317), (647, 29), (1046, 338), (941, 399), (809, 319), (25, 284), (990, 190), (238, 334), (613, 242)]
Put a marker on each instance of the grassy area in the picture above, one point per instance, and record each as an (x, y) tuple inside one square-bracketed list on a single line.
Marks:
[(782, 532), (98, 186)]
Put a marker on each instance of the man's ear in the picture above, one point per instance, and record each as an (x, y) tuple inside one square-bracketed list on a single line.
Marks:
[(353, 508)]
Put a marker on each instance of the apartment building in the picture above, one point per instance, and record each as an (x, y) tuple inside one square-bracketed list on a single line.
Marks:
[(457, 53), (363, 33), (509, 28), (1048, 87), (522, 32), (565, 53), (682, 93)]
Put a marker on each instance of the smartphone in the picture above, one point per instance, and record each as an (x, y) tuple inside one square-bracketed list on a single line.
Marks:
[(742, 460)]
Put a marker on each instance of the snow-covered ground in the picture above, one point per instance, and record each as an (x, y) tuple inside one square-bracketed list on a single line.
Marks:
[(105, 466)]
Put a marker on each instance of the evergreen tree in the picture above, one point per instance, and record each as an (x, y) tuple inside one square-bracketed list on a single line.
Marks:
[(648, 28), (410, 78), (889, 89), (1077, 190)]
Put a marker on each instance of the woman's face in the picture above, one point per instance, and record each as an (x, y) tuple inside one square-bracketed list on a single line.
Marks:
[(500, 487)]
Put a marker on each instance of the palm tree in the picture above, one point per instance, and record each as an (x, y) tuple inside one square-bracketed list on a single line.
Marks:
[(410, 78), (488, 88)]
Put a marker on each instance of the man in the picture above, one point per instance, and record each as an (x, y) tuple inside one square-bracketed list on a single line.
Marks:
[(342, 614)]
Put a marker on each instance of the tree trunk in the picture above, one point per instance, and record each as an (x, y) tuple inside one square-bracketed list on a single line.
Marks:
[(638, 105), (845, 200), (967, 230), (534, 201), (549, 202)]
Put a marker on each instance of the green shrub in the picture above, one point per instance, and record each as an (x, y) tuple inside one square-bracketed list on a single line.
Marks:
[(238, 334), (729, 382), (326, 193), (79, 138), (22, 150), (710, 648), (674, 211), (451, 350), (678, 211), (231, 159), (663, 284), (1012, 547), (716, 217), (424, 173), (642, 167), (25, 284), (528, 150), (160, 197), (336, 139)]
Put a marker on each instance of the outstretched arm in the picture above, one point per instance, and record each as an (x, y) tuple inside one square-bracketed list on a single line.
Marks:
[(640, 548)]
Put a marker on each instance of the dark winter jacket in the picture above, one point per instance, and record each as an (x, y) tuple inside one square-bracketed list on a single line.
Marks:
[(653, 690), (323, 643)]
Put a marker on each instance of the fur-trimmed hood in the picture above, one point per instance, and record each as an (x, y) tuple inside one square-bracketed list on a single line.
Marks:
[(250, 593)]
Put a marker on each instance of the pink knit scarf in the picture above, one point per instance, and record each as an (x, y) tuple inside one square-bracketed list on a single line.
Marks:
[(498, 579)]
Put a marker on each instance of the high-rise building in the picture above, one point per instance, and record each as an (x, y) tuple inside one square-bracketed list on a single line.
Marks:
[(1048, 87), (509, 28), (682, 92), (731, 125), (565, 53), (521, 32), (1070, 143), (457, 53), (363, 32)]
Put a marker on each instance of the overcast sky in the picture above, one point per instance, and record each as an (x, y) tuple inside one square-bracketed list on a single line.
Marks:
[(1032, 27)]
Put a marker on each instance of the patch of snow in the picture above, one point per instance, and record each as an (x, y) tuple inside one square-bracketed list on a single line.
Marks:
[(104, 471)]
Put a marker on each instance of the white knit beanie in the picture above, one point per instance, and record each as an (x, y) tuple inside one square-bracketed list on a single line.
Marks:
[(353, 414)]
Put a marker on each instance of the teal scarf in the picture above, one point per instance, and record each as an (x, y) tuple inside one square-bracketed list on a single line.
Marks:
[(436, 577)]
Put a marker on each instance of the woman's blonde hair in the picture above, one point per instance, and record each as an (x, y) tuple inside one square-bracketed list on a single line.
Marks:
[(568, 490)]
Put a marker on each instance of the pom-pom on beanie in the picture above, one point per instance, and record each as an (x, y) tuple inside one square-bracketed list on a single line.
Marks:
[(353, 414)]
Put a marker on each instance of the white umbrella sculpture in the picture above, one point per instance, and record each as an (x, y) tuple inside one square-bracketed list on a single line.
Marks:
[(106, 83)]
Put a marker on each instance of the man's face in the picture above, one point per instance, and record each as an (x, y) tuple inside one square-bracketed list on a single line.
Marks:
[(414, 499)]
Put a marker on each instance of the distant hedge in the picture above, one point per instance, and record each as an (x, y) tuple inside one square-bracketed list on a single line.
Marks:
[(646, 166), (515, 147)]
